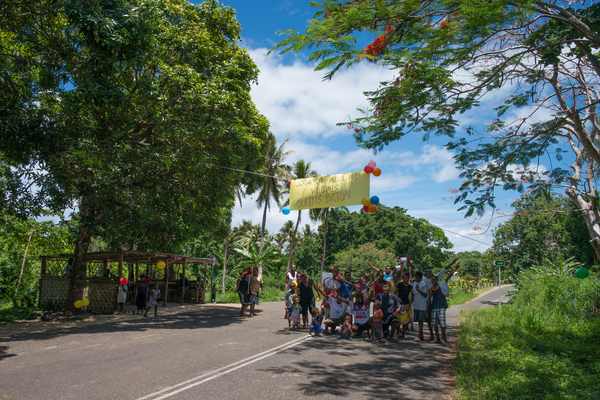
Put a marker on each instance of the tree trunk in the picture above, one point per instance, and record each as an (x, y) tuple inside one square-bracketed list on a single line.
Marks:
[(292, 244), (324, 245), (262, 235), (23, 264), (82, 244), (589, 211), (225, 262)]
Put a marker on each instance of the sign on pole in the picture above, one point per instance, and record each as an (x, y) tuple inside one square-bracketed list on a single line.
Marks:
[(499, 263)]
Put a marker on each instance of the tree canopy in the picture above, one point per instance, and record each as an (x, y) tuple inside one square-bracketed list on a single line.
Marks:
[(123, 109), (538, 59)]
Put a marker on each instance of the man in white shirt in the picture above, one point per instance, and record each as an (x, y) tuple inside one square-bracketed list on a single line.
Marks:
[(420, 292)]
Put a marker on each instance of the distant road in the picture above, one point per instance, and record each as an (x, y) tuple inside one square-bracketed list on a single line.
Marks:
[(205, 351)]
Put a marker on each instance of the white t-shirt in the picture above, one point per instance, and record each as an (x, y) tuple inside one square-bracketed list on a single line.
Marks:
[(336, 310), (291, 277), (361, 312), (440, 275), (420, 301), (333, 283)]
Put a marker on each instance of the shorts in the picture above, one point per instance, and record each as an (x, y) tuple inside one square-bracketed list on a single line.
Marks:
[(254, 298), (420, 316), (334, 321), (363, 327), (244, 298), (377, 329), (438, 317)]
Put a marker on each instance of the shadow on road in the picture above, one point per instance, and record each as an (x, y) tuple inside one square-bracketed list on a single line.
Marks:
[(207, 317)]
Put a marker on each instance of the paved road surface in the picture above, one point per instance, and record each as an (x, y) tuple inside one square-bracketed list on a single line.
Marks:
[(205, 351)]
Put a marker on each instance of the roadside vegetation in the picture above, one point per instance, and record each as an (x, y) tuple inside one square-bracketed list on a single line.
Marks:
[(545, 344)]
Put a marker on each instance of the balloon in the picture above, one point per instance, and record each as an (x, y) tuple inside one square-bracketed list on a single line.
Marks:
[(372, 208), (368, 169), (160, 265), (374, 200), (85, 302), (78, 304), (582, 273), (365, 201), (366, 208), (376, 171), (372, 163), (285, 210), (123, 281)]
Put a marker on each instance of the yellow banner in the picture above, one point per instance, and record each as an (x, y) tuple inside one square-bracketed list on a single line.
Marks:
[(329, 191)]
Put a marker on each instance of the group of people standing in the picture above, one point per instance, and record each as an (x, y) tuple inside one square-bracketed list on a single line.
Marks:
[(249, 287), (396, 297)]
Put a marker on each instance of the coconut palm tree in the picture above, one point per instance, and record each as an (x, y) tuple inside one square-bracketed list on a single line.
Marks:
[(322, 215), (285, 234), (300, 170), (273, 181)]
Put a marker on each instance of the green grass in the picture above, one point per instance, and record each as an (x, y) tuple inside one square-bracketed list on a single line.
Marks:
[(10, 314), (529, 351), (271, 294)]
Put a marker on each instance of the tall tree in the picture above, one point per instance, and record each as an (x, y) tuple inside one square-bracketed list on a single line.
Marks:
[(270, 186), (535, 56), (322, 215), (124, 109), (300, 170)]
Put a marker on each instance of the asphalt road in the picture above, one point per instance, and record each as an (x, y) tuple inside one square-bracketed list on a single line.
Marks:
[(206, 351)]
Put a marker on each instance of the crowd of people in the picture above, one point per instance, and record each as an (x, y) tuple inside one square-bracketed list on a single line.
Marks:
[(378, 306)]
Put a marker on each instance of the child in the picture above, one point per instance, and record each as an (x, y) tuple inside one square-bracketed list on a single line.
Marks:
[(122, 298), (153, 300), (295, 311), (213, 294), (325, 303), (288, 302), (346, 332), (315, 325), (377, 322), (142, 292)]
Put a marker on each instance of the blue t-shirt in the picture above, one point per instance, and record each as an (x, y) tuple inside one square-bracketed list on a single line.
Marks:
[(346, 290)]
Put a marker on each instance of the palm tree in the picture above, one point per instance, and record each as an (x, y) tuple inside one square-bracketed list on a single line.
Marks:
[(271, 185), (322, 215), (300, 170), (285, 234), (252, 256)]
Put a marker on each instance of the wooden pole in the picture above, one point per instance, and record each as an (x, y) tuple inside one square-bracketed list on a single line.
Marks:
[(166, 284), (121, 265), (23, 263)]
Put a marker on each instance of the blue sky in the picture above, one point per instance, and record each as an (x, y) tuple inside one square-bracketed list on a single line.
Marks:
[(301, 107)]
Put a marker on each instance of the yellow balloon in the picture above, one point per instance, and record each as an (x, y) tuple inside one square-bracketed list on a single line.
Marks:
[(160, 265), (365, 201), (85, 302), (78, 304)]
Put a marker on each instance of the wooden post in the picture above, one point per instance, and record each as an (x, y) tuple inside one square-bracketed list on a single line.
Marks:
[(43, 266), (166, 294), (121, 265), (137, 271)]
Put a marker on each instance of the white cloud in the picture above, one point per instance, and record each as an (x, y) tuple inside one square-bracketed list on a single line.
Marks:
[(299, 104)]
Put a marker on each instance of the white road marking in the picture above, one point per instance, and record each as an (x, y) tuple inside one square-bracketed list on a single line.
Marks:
[(200, 379)]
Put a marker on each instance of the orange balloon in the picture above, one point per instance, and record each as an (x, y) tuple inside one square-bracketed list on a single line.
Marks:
[(372, 208), (376, 172)]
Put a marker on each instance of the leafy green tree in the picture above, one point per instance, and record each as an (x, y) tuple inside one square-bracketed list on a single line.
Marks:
[(539, 57), (267, 257), (354, 260), (542, 229), (123, 109)]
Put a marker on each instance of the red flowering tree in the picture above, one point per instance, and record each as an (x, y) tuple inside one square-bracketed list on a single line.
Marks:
[(538, 59)]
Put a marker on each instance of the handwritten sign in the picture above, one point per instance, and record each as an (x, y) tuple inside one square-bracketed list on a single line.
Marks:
[(329, 191)]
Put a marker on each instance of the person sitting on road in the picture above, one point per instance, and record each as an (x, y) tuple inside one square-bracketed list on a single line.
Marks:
[(315, 325), (337, 310), (390, 306), (360, 308), (346, 329)]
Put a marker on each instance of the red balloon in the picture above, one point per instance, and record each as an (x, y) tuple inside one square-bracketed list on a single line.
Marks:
[(376, 171), (366, 208), (368, 169), (123, 281)]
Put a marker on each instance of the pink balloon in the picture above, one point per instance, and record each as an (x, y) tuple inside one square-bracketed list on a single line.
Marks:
[(368, 169), (372, 163), (366, 208)]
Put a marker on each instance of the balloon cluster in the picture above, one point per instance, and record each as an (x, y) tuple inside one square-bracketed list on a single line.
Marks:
[(370, 204), (82, 303), (371, 167)]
